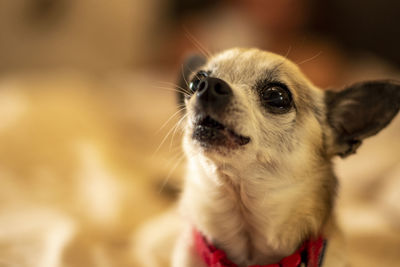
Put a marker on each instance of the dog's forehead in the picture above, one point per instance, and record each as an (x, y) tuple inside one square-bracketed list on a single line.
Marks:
[(245, 65), (241, 66)]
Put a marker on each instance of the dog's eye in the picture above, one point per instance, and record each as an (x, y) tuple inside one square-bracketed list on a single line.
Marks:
[(278, 98), (194, 83)]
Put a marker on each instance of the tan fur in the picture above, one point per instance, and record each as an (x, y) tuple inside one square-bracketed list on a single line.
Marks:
[(259, 202)]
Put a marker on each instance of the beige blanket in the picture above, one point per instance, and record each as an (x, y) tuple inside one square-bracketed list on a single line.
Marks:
[(81, 167)]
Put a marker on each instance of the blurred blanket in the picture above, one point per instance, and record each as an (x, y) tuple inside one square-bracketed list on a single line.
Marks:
[(81, 167)]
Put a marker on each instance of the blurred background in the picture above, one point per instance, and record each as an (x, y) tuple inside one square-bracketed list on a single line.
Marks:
[(88, 148)]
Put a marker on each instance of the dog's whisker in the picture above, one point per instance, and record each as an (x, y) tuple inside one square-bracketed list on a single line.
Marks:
[(311, 58), (181, 106), (178, 161), (285, 57), (171, 162), (288, 52), (173, 85), (176, 127), (173, 90), (176, 149), (165, 138), (176, 154), (170, 83), (169, 119), (197, 44)]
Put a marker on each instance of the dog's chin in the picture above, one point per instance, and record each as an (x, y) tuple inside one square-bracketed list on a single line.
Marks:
[(212, 135)]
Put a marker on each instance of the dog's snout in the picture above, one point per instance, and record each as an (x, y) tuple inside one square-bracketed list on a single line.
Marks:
[(214, 94), (214, 87)]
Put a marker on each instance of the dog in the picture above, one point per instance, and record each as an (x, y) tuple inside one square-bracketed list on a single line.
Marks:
[(259, 139)]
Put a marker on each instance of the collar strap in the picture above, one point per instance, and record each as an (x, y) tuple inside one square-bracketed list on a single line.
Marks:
[(310, 254)]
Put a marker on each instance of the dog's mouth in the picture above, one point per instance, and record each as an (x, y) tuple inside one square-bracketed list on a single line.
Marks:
[(209, 132)]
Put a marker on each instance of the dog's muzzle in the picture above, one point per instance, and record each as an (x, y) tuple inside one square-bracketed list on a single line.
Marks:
[(212, 99)]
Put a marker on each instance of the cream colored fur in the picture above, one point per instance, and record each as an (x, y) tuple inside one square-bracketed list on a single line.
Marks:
[(259, 202)]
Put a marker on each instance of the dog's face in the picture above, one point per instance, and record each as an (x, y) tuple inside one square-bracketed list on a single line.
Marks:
[(249, 103), (246, 105), (259, 138)]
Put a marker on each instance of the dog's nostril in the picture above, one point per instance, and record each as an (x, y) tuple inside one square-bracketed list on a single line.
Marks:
[(202, 85), (220, 89)]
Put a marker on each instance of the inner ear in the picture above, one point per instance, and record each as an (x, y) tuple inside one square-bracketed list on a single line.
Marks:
[(191, 64), (360, 111)]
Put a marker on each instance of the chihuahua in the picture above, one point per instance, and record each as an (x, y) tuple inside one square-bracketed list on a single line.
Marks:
[(259, 139)]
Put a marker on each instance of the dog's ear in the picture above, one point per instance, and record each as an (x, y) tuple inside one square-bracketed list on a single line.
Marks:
[(192, 63), (360, 111)]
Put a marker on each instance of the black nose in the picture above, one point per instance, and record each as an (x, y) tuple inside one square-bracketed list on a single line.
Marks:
[(213, 94)]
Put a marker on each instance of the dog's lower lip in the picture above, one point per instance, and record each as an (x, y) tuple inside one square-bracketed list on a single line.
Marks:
[(210, 122), (211, 132)]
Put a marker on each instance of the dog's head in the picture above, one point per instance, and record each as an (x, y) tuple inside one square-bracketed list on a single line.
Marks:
[(246, 105)]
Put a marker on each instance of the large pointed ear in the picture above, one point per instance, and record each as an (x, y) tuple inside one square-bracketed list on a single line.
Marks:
[(360, 111), (192, 63)]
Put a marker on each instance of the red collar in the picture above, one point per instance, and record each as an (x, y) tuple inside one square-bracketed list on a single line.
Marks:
[(310, 253)]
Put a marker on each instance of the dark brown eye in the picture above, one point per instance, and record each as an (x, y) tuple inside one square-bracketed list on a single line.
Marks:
[(194, 83), (277, 98)]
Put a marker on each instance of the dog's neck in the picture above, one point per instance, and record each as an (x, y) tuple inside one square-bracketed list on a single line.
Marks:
[(256, 217)]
